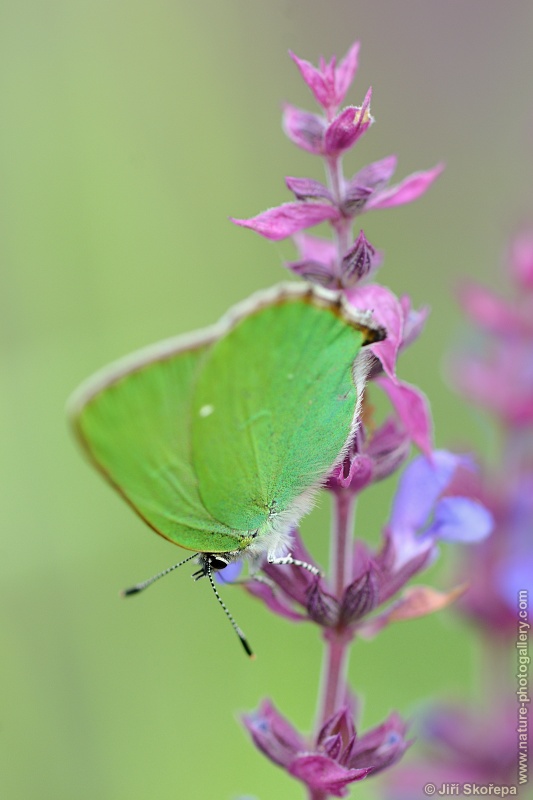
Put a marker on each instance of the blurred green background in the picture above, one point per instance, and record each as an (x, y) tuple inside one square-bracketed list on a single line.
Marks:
[(130, 132)]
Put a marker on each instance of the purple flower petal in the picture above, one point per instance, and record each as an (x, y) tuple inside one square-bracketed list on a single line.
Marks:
[(282, 221), (293, 581), (273, 735), (354, 473), (360, 260), (329, 83), (354, 200), (411, 556), (321, 87), (414, 321), (314, 272), (306, 188), (306, 130), (420, 486), (383, 745), (376, 174), (371, 459), (413, 410), (286, 585), (460, 519), (340, 722), (318, 258), (388, 447), (345, 72), (364, 184), (325, 775), (266, 593), (360, 597), (416, 601), (313, 248), (348, 127), (387, 311), (332, 746), (321, 606), (229, 573), (411, 188)]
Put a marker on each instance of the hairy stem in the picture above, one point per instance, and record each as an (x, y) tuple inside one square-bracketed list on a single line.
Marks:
[(341, 553), (314, 794), (335, 662), (342, 226)]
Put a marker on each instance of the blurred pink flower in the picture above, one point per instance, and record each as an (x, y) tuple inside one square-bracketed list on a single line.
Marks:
[(499, 376)]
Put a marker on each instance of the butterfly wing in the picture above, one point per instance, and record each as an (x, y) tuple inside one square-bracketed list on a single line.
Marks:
[(210, 436), (133, 420), (273, 407)]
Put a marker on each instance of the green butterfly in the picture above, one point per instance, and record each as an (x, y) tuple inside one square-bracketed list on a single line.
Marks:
[(220, 439)]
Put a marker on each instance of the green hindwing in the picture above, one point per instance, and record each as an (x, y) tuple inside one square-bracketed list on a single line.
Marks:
[(137, 432)]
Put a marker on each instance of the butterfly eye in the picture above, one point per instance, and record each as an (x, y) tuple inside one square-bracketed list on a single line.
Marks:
[(218, 562)]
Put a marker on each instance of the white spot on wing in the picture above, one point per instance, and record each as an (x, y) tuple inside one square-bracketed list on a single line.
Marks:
[(205, 411)]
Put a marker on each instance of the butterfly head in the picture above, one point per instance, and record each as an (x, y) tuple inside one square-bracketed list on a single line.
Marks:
[(214, 562)]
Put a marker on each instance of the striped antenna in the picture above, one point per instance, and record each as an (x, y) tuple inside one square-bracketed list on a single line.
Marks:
[(139, 587), (236, 628)]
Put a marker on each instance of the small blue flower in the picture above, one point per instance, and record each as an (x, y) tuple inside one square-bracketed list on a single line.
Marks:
[(230, 573), (420, 516)]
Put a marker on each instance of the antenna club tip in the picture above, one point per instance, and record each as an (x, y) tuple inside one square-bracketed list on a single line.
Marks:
[(248, 650), (128, 592), (252, 657)]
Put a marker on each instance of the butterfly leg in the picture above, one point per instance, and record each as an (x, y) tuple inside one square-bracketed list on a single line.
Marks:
[(294, 562)]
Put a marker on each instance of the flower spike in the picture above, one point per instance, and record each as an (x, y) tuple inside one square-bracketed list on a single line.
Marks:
[(338, 757)]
